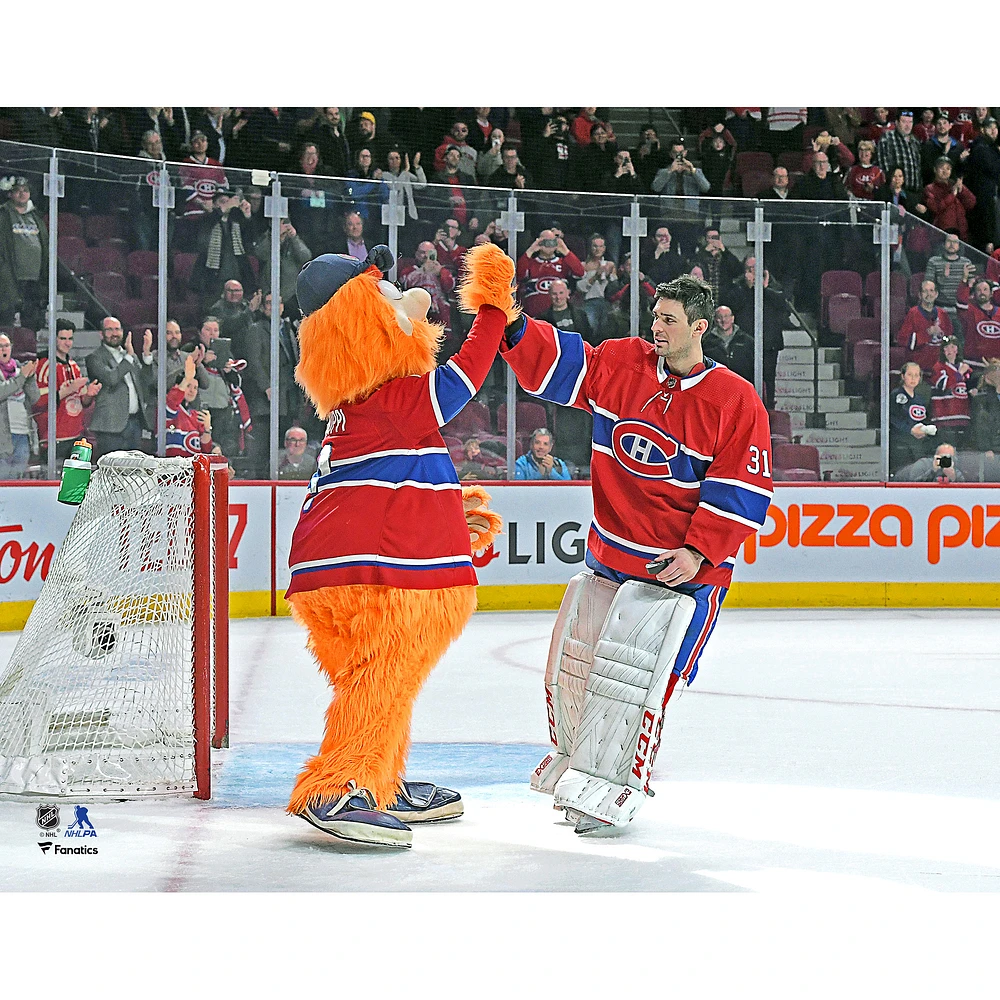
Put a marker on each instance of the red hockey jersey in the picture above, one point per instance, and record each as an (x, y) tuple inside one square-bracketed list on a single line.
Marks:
[(982, 329), (950, 396), (923, 344), (385, 505), (534, 276), (676, 460)]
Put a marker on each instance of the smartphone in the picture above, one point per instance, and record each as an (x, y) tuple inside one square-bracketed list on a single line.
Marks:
[(223, 348)]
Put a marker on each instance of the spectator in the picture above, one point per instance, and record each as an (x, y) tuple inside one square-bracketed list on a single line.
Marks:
[(151, 147), (785, 127), (327, 135), (42, 126), (950, 391), (362, 132), (479, 464), (744, 125), (583, 127), (865, 177), (457, 137), (298, 461), (224, 245), (782, 251), (819, 246), (779, 185), (18, 394), (292, 254), (483, 127), (939, 144), (270, 133), (949, 200), (618, 294), (982, 177), (236, 316), (565, 316), (596, 159), (924, 128), (726, 343), (878, 126), (217, 124), (538, 462), (647, 157), (149, 372), (681, 177), (900, 148), (400, 177), (621, 179), (717, 164), (660, 259), (598, 273), (215, 376), (986, 411), (24, 257), (512, 173), (948, 270), (910, 430), (552, 156), (707, 136), (96, 130), (354, 242), (925, 327), (310, 204), (449, 251), (75, 391), (189, 431), (436, 279), (365, 189), (719, 266), (464, 203), (162, 122), (202, 178), (739, 296), (939, 468), (980, 322), (548, 257), (844, 122), (841, 158), (119, 416), (490, 157)]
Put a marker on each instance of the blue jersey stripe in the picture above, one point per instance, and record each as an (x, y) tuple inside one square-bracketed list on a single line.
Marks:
[(452, 393), (454, 564), (744, 503), (432, 469), (567, 373)]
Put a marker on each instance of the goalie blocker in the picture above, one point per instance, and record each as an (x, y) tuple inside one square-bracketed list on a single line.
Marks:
[(618, 654)]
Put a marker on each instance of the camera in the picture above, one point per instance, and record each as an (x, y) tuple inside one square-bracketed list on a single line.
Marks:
[(549, 243), (944, 461)]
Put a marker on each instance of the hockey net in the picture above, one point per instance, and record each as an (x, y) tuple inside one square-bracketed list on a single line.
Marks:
[(119, 681)]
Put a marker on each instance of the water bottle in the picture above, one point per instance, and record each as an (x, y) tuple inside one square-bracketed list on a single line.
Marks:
[(76, 474)]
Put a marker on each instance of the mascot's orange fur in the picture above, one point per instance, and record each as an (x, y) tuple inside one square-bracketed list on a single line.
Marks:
[(377, 644)]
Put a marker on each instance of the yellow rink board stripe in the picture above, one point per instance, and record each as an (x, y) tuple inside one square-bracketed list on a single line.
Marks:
[(537, 597)]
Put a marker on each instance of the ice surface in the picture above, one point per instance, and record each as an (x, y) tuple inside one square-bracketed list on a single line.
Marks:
[(819, 752)]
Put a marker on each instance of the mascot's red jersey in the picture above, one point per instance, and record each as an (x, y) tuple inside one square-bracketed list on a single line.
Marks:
[(676, 460), (385, 504)]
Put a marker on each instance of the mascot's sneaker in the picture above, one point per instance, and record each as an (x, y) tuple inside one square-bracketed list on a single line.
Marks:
[(353, 817), (422, 802)]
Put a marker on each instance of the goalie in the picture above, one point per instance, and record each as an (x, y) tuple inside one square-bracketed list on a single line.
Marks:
[(681, 476)]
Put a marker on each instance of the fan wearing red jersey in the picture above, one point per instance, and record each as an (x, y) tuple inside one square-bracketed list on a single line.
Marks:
[(681, 476)]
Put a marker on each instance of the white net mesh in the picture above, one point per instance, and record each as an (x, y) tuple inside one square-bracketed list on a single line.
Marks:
[(97, 698)]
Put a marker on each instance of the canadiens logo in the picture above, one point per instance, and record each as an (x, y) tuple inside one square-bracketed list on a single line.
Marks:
[(989, 329), (192, 442), (643, 450), (918, 411)]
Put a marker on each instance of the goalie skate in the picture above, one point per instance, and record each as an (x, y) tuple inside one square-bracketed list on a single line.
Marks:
[(354, 818), (423, 802)]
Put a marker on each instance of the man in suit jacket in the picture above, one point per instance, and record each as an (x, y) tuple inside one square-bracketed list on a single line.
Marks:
[(119, 418)]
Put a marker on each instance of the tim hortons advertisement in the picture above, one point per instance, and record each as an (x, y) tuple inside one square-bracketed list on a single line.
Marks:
[(822, 533)]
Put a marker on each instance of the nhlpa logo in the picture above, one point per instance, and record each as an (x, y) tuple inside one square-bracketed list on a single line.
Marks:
[(643, 450), (47, 816), (988, 328), (81, 825), (918, 411)]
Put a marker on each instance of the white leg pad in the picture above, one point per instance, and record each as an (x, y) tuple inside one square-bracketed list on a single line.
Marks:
[(608, 772), (581, 617)]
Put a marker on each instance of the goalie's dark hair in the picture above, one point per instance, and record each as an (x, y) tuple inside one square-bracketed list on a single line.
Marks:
[(693, 294)]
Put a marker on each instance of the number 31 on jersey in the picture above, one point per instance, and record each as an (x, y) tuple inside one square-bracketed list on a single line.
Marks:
[(757, 459)]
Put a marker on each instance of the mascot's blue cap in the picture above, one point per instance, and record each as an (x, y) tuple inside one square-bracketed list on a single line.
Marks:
[(319, 279)]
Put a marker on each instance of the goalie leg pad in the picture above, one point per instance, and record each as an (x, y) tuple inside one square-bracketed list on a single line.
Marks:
[(581, 617), (629, 684)]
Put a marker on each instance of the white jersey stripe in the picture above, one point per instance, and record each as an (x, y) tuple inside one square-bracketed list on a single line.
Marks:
[(389, 452), (743, 486), (729, 516), (435, 405), (465, 378)]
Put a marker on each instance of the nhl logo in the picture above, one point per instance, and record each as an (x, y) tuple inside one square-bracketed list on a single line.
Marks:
[(671, 383), (47, 816)]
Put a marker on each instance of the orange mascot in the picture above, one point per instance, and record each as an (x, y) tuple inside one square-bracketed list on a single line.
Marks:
[(381, 558)]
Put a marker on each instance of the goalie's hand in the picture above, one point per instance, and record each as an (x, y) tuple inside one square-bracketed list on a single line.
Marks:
[(683, 567)]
